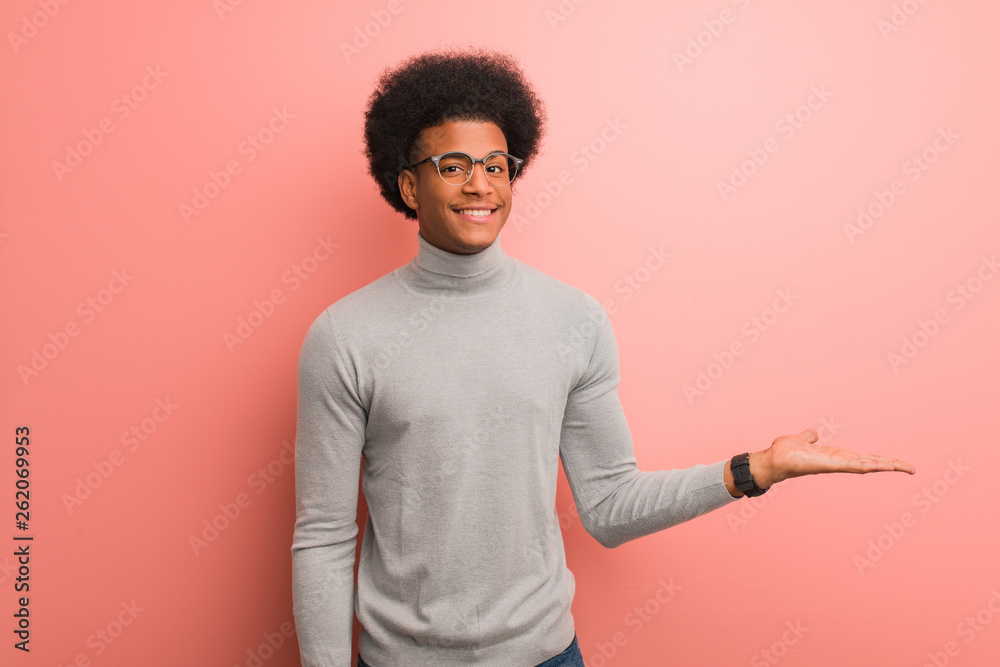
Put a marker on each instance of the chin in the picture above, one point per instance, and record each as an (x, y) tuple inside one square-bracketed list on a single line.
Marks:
[(470, 248)]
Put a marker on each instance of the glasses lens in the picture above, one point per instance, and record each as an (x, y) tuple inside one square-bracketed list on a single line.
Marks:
[(455, 167), (500, 169)]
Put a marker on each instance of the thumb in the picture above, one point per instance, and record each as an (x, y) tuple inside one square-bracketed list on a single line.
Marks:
[(810, 435)]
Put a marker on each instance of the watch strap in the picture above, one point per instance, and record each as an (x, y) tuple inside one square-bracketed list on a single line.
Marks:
[(740, 465)]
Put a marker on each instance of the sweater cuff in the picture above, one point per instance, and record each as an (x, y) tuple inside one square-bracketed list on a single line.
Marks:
[(716, 487)]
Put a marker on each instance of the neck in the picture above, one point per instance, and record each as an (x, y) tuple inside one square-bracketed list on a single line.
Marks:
[(444, 274)]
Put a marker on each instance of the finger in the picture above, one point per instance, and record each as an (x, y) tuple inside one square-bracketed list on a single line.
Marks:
[(876, 463), (810, 435)]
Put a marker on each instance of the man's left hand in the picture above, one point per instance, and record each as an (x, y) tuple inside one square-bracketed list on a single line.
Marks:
[(798, 455)]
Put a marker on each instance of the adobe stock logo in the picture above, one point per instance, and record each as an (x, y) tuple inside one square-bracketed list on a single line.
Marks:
[(712, 30), (924, 501), (581, 159), (411, 331), (252, 146), (914, 167), (579, 336), (230, 511), (223, 7), (105, 468), (633, 281), (636, 619), (104, 637), (267, 649), (960, 295), (562, 12), (264, 309), (30, 25), (900, 16), (428, 486), (121, 107), (779, 647), (88, 309), (786, 126), (363, 35), (968, 629), (752, 329)]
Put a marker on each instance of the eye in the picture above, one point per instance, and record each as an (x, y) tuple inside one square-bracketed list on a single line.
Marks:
[(496, 164), (453, 164)]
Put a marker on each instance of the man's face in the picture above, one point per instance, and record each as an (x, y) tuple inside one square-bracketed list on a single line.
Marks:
[(443, 208)]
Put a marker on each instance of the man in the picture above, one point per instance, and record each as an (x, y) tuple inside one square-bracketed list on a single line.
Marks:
[(461, 379)]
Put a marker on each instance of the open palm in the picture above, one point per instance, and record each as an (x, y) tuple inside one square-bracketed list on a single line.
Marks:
[(798, 455)]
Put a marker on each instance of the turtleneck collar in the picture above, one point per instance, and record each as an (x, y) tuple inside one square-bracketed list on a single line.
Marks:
[(442, 274)]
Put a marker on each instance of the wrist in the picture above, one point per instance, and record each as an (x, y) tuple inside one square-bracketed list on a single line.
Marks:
[(762, 469)]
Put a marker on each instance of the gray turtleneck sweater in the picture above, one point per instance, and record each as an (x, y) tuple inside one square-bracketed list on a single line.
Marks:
[(453, 385)]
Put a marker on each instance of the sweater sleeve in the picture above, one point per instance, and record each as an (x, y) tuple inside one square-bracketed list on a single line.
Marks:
[(616, 501), (330, 428)]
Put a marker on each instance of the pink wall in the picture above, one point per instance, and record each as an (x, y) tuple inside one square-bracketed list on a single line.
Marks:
[(127, 303)]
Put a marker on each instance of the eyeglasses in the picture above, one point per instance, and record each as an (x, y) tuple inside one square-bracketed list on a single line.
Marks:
[(456, 168)]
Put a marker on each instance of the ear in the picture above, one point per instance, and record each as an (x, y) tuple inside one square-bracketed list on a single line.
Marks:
[(408, 188)]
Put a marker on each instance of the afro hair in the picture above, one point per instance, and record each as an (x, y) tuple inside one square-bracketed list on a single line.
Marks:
[(429, 89)]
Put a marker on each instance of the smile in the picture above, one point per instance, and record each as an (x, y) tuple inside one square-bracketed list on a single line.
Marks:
[(476, 212)]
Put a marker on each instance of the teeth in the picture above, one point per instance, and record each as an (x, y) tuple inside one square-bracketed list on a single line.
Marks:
[(478, 213)]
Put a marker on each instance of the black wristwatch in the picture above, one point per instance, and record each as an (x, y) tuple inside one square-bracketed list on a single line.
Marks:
[(740, 465)]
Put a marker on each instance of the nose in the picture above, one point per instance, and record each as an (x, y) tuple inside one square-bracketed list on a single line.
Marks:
[(478, 183)]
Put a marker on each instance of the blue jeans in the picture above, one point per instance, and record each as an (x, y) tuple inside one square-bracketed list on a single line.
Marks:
[(571, 657)]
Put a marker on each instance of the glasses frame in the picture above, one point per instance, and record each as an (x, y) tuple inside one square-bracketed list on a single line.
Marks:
[(436, 159)]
